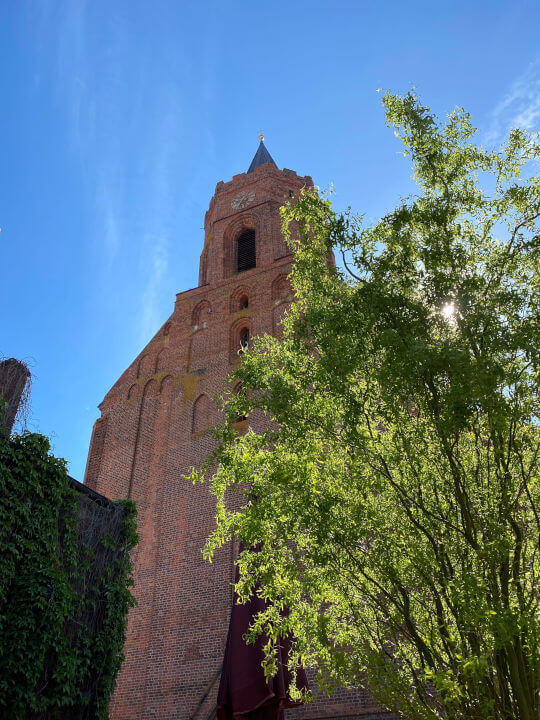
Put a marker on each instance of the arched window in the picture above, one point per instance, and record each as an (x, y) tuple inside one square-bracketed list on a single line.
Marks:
[(245, 251), (243, 302), (240, 339), (244, 340)]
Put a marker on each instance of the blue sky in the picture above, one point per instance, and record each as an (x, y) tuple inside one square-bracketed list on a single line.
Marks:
[(119, 117)]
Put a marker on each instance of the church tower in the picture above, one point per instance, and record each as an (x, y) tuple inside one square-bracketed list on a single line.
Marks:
[(154, 427)]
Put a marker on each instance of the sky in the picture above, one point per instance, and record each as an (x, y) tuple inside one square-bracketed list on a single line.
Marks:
[(118, 118)]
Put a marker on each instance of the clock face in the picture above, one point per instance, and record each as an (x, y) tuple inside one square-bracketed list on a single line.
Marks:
[(242, 200)]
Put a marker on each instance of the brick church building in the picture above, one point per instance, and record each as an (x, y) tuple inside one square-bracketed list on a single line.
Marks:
[(154, 427)]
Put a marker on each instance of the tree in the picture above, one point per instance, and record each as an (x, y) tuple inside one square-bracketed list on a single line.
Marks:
[(392, 503)]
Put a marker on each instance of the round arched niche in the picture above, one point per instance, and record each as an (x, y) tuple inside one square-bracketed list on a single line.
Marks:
[(281, 295), (134, 392), (240, 299), (281, 288), (163, 360), (150, 389), (201, 314), (145, 366), (166, 385), (204, 414)]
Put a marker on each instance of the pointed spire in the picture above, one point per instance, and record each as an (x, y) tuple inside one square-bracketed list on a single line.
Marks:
[(261, 156)]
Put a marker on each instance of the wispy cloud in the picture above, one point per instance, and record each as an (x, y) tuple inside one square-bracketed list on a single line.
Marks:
[(72, 67), (108, 212), (520, 106), (125, 130), (160, 213), (156, 270)]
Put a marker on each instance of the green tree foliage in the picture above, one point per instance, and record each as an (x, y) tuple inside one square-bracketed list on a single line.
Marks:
[(63, 614), (393, 503)]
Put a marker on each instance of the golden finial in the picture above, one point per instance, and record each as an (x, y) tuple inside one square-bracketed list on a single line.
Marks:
[(261, 137)]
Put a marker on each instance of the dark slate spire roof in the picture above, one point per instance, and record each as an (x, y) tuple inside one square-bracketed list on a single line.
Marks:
[(261, 156)]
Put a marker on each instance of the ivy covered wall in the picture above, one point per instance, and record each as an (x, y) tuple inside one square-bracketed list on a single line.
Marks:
[(65, 575)]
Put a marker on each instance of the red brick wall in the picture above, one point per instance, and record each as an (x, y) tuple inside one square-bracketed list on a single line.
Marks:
[(154, 427)]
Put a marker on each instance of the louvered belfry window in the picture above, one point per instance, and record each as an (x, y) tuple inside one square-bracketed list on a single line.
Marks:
[(246, 250)]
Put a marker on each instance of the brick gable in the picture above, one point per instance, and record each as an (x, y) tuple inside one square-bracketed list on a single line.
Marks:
[(154, 427)]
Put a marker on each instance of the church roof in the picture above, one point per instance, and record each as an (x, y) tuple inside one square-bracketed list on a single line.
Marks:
[(261, 156)]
